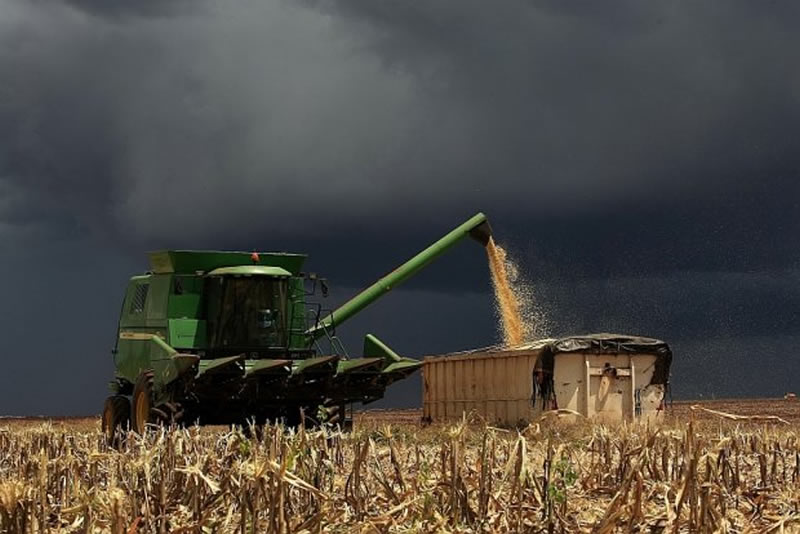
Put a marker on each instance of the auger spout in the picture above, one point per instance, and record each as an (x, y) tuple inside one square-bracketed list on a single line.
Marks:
[(476, 227)]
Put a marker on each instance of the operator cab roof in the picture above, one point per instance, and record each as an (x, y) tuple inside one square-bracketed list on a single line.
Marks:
[(207, 261), (251, 270)]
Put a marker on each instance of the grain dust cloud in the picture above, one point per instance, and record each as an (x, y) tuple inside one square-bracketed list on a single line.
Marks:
[(519, 316)]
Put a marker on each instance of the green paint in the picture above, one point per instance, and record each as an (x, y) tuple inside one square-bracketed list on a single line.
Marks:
[(358, 365), (218, 365), (312, 364), (375, 347), (260, 367), (187, 333)]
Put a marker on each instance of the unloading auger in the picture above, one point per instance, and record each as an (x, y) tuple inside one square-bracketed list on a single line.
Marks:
[(229, 337)]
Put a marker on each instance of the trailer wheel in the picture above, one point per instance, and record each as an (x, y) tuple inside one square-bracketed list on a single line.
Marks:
[(142, 403), (116, 416)]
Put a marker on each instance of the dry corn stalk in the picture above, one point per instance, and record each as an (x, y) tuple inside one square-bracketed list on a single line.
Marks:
[(715, 477)]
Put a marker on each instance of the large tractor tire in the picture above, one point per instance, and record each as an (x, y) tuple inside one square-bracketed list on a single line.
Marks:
[(116, 417), (142, 403)]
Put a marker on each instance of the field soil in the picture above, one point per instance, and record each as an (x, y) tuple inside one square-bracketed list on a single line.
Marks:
[(788, 409)]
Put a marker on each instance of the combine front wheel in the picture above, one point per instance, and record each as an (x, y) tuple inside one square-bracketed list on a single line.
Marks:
[(142, 413), (116, 416)]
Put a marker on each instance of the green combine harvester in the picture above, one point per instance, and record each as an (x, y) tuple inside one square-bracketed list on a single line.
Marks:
[(228, 338)]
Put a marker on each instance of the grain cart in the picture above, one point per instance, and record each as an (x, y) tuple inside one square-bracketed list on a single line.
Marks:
[(229, 337), (605, 377)]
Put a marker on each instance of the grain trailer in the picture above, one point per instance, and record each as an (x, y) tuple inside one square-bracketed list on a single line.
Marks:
[(605, 377)]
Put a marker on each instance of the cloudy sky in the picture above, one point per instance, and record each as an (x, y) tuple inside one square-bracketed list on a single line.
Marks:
[(640, 161)]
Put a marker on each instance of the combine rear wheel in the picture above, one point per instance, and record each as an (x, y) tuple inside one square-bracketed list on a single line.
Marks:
[(142, 403), (116, 416)]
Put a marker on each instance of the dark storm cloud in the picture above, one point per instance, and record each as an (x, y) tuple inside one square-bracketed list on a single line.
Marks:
[(120, 9), (360, 109), (640, 160), (631, 95)]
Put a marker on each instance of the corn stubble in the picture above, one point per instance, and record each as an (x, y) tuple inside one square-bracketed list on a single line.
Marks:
[(463, 478)]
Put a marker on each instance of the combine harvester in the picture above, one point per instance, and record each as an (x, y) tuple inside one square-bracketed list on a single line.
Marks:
[(228, 337)]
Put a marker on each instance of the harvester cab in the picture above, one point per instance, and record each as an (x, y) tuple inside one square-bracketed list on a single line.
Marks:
[(227, 337)]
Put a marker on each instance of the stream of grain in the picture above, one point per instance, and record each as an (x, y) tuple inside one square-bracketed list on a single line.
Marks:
[(521, 319), (508, 306)]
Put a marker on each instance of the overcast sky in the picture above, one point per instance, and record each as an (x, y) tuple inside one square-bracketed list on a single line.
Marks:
[(639, 160)]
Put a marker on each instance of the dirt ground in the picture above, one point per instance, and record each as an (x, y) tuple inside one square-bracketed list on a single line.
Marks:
[(788, 409)]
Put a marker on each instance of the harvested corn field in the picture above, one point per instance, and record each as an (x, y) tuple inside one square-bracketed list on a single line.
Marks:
[(710, 475)]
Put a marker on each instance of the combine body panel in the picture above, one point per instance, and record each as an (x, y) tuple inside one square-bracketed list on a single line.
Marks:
[(225, 337)]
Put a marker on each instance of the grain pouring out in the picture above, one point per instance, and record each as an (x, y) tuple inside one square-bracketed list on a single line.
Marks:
[(519, 316)]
